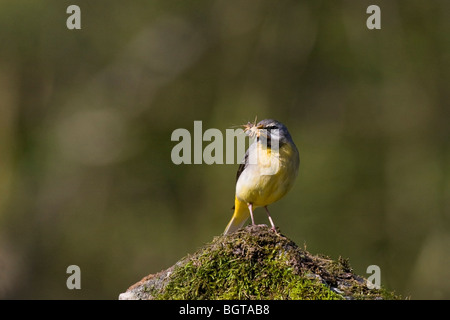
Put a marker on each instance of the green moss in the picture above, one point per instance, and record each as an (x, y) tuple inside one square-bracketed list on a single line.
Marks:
[(230, 277), (257, 263)]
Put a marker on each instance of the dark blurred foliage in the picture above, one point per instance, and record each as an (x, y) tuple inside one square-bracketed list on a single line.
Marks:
[(86, 117)]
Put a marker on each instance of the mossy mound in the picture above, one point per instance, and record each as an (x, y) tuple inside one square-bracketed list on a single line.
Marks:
[(255, 263)]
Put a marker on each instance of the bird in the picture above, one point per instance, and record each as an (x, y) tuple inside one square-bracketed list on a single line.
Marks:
[(267, 172)]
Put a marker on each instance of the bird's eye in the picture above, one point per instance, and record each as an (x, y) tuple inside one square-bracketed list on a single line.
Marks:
[(271, 127)]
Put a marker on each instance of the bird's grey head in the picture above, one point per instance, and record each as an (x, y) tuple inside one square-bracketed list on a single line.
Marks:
[(275, 130)]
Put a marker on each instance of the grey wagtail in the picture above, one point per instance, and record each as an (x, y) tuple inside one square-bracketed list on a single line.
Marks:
[(267, 173)]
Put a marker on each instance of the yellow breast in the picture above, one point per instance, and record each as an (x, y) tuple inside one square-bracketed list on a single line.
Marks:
[(269, 175)]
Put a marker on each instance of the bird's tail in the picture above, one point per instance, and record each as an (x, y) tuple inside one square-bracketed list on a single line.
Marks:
[(240, 215)]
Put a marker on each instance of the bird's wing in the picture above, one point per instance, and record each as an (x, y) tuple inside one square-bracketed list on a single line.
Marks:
[(241, 168), (243, 165)]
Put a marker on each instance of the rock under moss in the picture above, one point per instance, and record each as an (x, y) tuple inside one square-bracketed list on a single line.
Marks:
[(255, 263)]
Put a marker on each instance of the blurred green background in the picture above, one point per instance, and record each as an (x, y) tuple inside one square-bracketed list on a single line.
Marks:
[(86, 118)]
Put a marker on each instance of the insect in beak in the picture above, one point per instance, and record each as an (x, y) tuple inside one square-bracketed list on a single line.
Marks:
[(252, 129)]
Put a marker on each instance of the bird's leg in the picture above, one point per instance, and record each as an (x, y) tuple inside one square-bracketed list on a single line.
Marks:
[(270, 219), (250, 208)]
